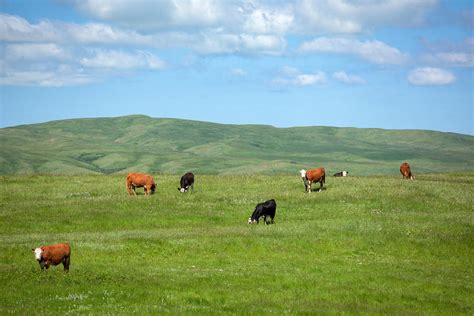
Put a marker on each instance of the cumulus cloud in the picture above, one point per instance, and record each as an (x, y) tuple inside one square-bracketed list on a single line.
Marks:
[(35, 51), (342, 76), (430, 76), (290, 76), (17, 29), (46, 76), (62, 54), (260, 17), (150, 16), (225, 43), (349, 17), (449, 53), (112, 59), (264, 20), (373, 51)]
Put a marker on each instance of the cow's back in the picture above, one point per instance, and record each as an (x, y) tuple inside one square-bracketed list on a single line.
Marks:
[(56, 253), (139, 179), (187, 179), (315, 175)]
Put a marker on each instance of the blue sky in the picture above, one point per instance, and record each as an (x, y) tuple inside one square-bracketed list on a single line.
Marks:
[(397, 64)]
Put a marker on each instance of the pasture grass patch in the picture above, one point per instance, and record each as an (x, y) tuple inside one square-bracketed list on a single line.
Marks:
[(366, 245)]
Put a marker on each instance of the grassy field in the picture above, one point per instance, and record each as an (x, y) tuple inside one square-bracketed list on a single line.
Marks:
[(365, 245), (171, 146)]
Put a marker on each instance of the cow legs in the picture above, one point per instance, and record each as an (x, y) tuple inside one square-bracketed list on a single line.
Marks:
[(66, 263), (131, 189), (192, 188), (320, 186), (271, 221)]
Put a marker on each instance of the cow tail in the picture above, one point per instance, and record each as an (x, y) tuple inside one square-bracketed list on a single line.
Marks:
[(324, 178)]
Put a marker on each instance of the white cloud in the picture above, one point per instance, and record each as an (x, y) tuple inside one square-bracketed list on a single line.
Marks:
[(35, 51), (268, 20), (224, 43), (373, 51), (17, 29), (290, 76), (148, 16), (57, 76), (449, 53), (14, 28), (113, 59), (342, 76), (342, 16), (430, 76), (260, 17)]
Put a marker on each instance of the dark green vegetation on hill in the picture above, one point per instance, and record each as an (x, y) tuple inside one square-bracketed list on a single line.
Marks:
[(366, 245), (141, 143)]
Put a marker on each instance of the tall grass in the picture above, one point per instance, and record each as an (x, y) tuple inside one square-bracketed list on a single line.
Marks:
[(364, 245)]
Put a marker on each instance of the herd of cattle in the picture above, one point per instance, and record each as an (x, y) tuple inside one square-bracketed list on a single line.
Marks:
[(61, 253)]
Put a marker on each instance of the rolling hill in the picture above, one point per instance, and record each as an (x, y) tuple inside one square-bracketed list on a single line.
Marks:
[(172, 146)]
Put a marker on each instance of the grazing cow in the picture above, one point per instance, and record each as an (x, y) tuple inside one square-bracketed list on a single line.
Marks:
[(341, 174), (314, 175), (267, 208), (406, 172), (53, 255), (187, 180), (138, 180)]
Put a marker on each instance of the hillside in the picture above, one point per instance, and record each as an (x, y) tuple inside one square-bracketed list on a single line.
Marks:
[(141, 143)]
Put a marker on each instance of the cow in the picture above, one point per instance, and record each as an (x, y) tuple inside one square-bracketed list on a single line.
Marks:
[(267, 208), (406, 172), (341, 174), (53, 255), (139, 180), (187, 180), (314, 175)]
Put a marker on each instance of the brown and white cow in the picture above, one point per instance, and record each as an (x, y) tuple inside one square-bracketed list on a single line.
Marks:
[(140, 180), (406, 172), (314, 175), (53, 255)]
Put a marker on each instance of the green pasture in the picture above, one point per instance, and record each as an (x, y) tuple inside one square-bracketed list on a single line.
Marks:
[(365, 245)]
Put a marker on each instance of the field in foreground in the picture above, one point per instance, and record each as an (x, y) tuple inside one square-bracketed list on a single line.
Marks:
[(364, 245)]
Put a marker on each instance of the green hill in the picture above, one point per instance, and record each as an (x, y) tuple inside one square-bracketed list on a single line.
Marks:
[(141, 143)]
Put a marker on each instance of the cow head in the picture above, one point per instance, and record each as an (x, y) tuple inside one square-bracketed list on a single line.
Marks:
[(303, 173), (182, 190), (252, 221), (38, 253)]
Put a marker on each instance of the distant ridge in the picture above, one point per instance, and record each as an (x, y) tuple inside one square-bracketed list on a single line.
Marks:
[(164, 145)]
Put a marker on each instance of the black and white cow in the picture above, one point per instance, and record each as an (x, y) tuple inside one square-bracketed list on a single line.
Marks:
[(187, 180), (267, 208), (341, 174)]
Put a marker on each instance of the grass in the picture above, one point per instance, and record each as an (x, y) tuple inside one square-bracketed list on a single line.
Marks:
[(365, 245), (129, 143)]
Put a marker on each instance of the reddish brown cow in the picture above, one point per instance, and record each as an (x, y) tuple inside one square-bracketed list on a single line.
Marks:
[(405, 171), (314, 175), (53, 255), (139, 180)]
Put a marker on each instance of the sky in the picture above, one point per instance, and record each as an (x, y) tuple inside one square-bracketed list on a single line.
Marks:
[(394, 64)]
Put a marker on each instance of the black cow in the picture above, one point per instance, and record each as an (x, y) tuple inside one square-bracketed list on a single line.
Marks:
[(264, 209), (187, 180), (341, 174)]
